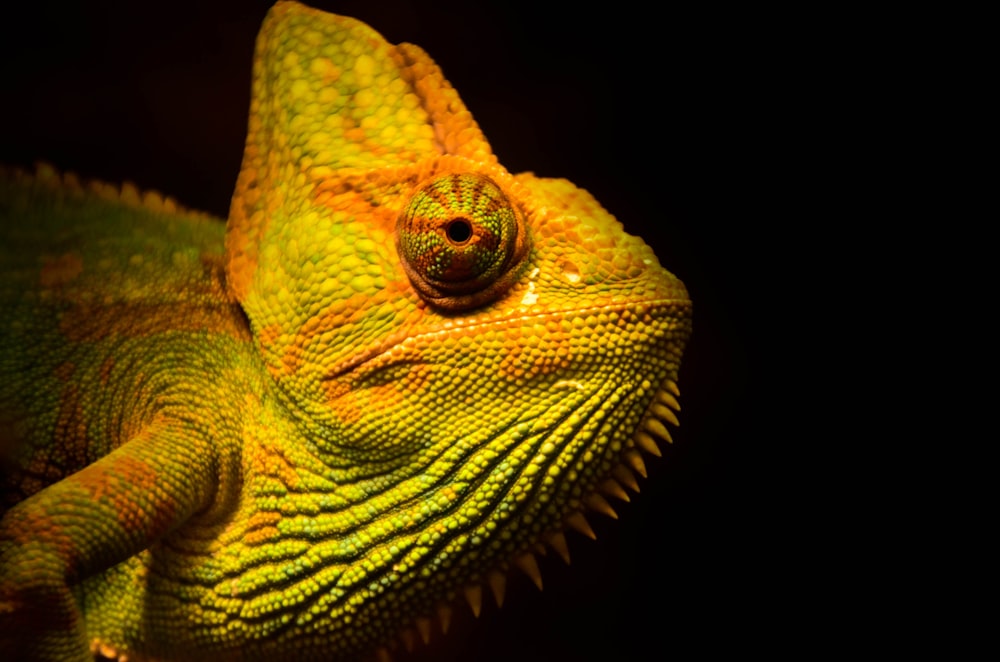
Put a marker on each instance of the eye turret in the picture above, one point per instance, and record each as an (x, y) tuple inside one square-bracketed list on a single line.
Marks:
[(461, 240)]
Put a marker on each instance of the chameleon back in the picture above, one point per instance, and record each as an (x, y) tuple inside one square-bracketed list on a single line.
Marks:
[(97, 283)]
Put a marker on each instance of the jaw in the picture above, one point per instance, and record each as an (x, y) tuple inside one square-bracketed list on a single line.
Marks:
[(503, 465), (581, 480)]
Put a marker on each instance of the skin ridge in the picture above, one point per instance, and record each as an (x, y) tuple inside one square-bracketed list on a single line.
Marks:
[(68, 184)]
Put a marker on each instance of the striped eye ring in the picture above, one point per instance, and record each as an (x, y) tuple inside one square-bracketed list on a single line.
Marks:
[(461, 240)]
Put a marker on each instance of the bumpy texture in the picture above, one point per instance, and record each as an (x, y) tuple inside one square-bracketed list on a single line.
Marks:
[(395, 373)]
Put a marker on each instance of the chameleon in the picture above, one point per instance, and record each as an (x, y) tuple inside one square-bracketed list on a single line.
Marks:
[(394, 375)]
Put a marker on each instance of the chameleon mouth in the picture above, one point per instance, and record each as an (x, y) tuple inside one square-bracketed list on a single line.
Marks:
[(662, 411), (392, 350)]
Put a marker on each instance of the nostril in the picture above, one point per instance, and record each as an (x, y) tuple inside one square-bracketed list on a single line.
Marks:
[(570, 271)]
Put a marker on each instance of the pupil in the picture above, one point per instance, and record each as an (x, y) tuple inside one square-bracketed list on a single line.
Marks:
[(459, 231)]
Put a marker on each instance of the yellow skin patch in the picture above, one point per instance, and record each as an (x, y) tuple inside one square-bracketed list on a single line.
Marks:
[(400, 369)]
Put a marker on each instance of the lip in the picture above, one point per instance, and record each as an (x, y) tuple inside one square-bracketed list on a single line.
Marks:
[(379, 356)]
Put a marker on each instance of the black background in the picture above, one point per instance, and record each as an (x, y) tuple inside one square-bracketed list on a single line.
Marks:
[(656, 115)]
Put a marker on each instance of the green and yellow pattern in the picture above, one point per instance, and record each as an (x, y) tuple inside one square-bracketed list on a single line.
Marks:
[(305, 434)]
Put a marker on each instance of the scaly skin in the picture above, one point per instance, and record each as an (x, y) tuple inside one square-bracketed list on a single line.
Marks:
[(396, 371)]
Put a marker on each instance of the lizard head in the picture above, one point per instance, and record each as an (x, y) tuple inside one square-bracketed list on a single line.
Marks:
[(470, 357)]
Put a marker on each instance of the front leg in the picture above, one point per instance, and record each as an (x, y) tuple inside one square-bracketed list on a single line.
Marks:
[(88, 522)]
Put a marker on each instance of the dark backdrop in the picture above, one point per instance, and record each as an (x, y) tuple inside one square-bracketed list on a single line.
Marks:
[(655, 114)]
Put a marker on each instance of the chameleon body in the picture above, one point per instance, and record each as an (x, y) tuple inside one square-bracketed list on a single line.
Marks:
[(395, 373)]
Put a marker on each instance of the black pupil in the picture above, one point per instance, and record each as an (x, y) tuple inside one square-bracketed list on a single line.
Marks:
[(459, 230)]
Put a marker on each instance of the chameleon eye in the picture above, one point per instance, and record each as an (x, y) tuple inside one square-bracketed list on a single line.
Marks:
[(460, 240)]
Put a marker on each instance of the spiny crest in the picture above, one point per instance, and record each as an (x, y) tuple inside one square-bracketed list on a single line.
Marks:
[(421, 629)]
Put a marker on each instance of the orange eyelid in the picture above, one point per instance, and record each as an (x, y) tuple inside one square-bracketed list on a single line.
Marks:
[(460, 240)]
